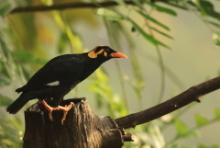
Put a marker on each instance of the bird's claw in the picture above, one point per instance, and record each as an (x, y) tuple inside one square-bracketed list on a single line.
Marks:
[(50, 110), (65, 110)]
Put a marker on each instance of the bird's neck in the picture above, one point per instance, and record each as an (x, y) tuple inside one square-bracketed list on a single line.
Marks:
[(91, 65)]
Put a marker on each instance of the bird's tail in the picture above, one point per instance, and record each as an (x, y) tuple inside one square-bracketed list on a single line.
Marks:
[(18, 103)]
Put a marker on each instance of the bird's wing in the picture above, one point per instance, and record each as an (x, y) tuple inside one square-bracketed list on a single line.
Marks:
[(57, 71)]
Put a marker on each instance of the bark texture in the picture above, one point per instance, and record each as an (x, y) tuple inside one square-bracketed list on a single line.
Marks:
[(84, 129), (81, 129)]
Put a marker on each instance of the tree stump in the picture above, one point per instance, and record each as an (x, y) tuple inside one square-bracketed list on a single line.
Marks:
[(81, 129)]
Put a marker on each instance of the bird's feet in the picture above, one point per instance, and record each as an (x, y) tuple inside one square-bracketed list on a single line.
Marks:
[(50, 110)]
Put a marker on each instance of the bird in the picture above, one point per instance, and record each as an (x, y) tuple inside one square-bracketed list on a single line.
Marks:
[(59, 76)]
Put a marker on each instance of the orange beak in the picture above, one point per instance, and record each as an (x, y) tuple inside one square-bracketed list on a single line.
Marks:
[(118, 55)]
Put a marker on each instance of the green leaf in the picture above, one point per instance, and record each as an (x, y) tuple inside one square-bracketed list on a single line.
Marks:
[(4, 101), (5, 51), (208, 8), (148, 17), (200, 120), (147, 36), (63, 42), (181, 128), (216, 39), (4, 7), (214, 24), (4, 80), (164, 9), (208, 146), (4, 76), (217, 113), (109, 14), (161, 33), (24, 56)]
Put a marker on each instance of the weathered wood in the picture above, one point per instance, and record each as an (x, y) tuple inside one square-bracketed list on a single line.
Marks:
[(81, 129), (84, 129)]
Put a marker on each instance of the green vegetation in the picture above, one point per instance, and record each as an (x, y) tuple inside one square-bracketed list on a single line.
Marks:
[(28, 40)]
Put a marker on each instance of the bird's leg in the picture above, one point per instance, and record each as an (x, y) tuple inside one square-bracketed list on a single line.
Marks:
[(49, 108), (65, 109)]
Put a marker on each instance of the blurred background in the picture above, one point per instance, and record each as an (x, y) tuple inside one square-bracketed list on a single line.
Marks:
[(172, 45)]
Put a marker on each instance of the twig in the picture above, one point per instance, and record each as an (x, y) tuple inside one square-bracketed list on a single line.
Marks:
[(81, 5), (69, 5), (185, 98)]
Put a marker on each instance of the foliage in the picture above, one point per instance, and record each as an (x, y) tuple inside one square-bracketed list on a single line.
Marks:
[(27, 41)]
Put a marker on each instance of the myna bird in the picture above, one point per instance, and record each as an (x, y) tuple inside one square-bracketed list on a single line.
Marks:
[(61, 74)]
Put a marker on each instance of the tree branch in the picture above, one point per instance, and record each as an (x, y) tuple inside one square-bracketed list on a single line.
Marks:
[(190, 95), (83, 128), (70, 5), (81, 5)]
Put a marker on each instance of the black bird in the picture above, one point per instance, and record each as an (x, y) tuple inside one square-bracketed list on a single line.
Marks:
[(61, 74)]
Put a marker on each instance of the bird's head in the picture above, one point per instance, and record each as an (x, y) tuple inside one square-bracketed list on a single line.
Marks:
[(105, 53)]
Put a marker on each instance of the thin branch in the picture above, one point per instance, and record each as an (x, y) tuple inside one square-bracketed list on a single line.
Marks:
[(69, 5), (190, 95), (81, 5)]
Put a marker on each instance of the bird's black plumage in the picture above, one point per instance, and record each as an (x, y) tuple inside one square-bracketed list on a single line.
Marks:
[(61, 74)]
